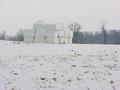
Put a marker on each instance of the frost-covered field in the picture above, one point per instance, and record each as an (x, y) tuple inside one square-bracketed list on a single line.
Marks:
[(59, 67)]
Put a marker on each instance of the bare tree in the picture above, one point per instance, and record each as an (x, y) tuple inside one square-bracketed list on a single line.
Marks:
[(104, 32), (2, 35), (75, 27), (20, 35)]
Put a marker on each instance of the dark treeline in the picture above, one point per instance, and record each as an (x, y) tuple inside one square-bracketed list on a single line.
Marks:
[(112, 37)]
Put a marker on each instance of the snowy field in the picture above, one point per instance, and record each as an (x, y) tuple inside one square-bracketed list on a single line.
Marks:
[(59, 67)]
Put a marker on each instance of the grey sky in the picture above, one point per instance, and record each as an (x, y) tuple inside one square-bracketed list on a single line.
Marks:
[(16, 14)]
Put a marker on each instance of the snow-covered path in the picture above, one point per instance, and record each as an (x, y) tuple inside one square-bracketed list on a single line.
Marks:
[(59, 67)]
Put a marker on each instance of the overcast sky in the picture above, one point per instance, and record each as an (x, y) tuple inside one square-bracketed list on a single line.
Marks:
[(16, 14)]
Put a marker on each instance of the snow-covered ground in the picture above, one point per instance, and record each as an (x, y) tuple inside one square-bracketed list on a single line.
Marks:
[(59, 67)]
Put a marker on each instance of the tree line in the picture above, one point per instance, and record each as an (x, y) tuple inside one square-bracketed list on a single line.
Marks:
[(103, 36), (19, 36), (111, 37)]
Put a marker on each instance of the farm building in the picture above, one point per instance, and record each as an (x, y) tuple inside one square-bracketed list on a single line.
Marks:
[(48, 33)]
